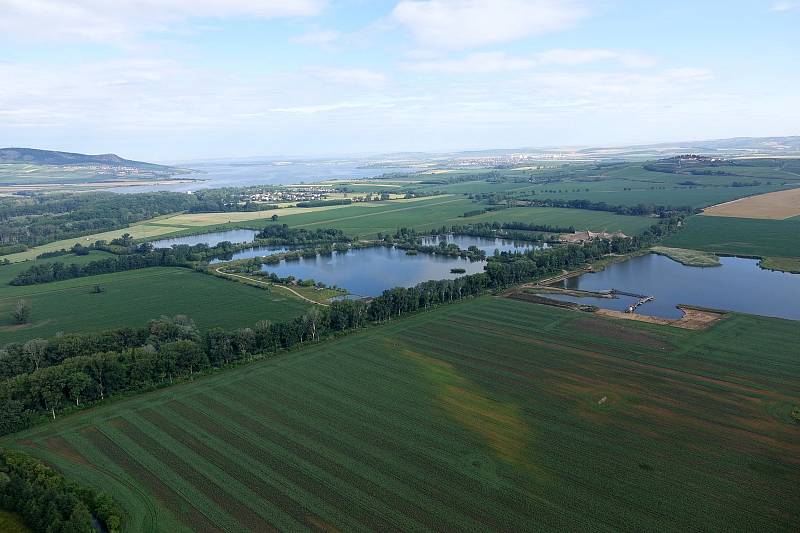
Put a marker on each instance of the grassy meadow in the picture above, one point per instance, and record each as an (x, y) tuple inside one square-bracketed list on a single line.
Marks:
[(489, 414), (134, 297), (742, 236)]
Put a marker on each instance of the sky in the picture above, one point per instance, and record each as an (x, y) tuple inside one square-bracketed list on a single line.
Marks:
[(176, 80)]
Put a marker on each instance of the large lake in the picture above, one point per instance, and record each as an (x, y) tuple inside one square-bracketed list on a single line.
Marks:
[(243, 173), (211, 239), (738, 285), (370, 271)]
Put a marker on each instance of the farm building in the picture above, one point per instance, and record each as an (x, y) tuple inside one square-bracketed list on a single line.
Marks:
[(588, 236)]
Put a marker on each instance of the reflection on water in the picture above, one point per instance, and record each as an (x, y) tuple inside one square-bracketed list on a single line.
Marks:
[(370, 271), (486, 244), (738, 285), (211, 239)]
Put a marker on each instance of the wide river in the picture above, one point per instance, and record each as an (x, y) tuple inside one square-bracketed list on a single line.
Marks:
[(738, 285)]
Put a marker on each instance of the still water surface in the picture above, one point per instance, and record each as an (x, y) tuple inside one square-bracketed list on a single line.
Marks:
[(738, 285), (370, 271), (212, 239)]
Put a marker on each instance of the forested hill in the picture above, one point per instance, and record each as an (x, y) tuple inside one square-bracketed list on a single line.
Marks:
[(34, 156)]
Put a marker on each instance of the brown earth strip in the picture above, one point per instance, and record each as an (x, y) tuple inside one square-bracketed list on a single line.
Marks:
[(243, 514), (283, 501), (362, 513), (403, 455), (211, 454), (189, 515)]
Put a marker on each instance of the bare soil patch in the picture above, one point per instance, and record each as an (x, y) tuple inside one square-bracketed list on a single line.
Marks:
[(778, 205), (693, 318)]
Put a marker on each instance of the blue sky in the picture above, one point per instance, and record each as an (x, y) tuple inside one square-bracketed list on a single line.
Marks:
[(187, 79)]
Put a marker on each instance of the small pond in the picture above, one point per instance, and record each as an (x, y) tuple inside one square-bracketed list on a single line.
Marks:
[(738, 285), (211, 239), (370, 271)]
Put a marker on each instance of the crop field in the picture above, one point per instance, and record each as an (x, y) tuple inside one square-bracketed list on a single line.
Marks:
[(447, 211), (774, 206), (133, 298), (485, 414), (743, 236)]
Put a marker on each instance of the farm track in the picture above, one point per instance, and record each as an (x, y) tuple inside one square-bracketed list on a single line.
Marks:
[(268, 284)]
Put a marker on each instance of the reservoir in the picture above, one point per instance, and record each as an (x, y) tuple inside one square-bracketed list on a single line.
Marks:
[(234, 236), (738, 285), (370, 271)]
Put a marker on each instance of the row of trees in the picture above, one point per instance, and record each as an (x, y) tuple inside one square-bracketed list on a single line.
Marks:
[(47, 501), (131, 257), (662, 211), (283, 234)]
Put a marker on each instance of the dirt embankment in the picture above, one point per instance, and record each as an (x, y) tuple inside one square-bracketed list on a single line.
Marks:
[(693, 318)]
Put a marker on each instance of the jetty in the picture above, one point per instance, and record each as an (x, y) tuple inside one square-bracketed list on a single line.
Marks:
[(641, 299)]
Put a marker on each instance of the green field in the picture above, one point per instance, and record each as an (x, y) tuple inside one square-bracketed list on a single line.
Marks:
[(448, 211), (489, 414), (743, 236), (133, 298)]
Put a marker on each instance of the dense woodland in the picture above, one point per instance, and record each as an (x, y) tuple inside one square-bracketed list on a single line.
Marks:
[(41, 218), (47, 501)]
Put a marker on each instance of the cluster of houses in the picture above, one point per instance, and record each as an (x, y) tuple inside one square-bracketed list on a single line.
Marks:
[(303, 194), (580, 237)]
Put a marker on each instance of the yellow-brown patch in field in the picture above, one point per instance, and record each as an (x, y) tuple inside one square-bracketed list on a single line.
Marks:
[(498, 424), (778, 205)]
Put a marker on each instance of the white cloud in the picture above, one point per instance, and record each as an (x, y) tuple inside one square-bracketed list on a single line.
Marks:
[(461, 24), (114, 20), (785, 6), (488, 62), (351, 76), (318, 37)]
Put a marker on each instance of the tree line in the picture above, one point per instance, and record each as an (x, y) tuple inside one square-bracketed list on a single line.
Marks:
[(661, 211), (47, 501), (284, 235), (41, 218)]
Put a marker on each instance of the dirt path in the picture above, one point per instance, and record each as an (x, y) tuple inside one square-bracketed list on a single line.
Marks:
[(251, 280)]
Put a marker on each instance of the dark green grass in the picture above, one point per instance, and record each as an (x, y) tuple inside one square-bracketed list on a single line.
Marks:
[(743, 236), (484, 415), (136, 296)]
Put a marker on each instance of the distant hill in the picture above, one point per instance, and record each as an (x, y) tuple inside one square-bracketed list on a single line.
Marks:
[(33, 156)]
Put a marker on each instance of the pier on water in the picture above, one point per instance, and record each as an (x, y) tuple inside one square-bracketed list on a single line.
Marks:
[(641, 299)]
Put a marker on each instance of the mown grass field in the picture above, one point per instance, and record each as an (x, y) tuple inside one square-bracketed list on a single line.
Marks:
[(133, 298), (743, 236), (774, 206), (490, 414)]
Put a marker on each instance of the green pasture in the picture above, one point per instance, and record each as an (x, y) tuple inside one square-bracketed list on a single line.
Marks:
[(739, 236), (134, 297), (488, 414)]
